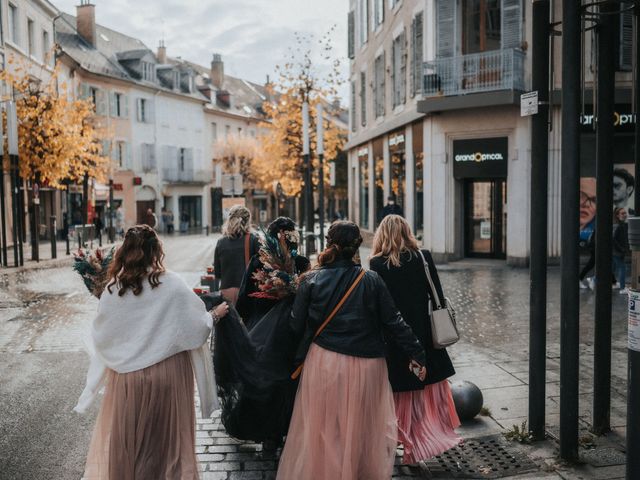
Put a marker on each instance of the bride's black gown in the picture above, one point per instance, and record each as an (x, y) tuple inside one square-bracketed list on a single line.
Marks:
[(253, 370)]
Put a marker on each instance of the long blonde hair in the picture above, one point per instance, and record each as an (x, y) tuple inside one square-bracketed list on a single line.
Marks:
[(393, 238), (238, 223)]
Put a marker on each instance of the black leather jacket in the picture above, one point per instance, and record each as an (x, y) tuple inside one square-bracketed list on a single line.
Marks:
[(357, 328)]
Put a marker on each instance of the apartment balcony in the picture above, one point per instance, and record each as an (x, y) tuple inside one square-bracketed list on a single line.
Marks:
[(187, 176), (474, 80)]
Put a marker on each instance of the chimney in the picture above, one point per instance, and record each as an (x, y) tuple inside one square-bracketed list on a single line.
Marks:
[(162, 53), (86, 21), (217, 71)]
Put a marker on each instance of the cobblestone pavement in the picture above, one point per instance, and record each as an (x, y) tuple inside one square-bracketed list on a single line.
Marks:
[(43, 313)]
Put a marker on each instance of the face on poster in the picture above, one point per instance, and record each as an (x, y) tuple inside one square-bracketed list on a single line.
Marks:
[(623, 188)]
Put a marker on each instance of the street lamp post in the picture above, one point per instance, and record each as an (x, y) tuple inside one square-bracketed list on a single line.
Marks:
[(308, 189), (3, 215), (12, 140), (320, 149)]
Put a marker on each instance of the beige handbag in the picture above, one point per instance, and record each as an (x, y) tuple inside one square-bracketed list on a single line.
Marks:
[(444, 330)]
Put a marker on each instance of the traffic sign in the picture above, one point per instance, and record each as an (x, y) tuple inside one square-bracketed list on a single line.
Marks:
[(529, 104)]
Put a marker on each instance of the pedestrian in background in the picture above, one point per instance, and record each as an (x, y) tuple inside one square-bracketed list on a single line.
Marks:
[(234, 251), (147, 341), (391, 208), (185, 218), (170, 225), (152, 219), (343, 425), (425, 410), (620, 247)]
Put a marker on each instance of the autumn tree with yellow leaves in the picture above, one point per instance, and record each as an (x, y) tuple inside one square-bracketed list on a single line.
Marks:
[(58, 138), (237, 154), (299, 79)]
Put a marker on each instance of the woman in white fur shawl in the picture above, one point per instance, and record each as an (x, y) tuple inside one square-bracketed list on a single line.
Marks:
[(148, 340)]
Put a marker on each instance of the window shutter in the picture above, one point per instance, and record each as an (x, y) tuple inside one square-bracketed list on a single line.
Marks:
[(101, 107), (383, 80), (85, 91), (363, 99), (394, 59), (127, 155), (445, 21), (511, 24), (353, 106), (152, 156), (351, 39), (416, 54), (150, 111), (403, 67), (124, 108), (113, 110), (139, 110), (626, 39)]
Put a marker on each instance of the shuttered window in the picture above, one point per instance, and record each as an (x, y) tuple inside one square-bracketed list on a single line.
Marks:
[(351, 35), (399, 70), (379, 85), (416, 53), (364, 21), (625, 57), (378, 12), (353, 106), (363, 98), (445, 24), (511, 24)]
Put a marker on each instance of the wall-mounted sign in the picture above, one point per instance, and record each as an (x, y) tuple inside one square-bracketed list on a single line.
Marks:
[(529, 104), (624, 120), (396, 140), (363, 152), (480, 158), (117, 187)]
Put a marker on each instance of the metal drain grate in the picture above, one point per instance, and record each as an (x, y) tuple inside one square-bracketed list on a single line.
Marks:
[(483, 457)]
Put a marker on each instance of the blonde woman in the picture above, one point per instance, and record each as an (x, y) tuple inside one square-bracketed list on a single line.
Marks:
[(233, 251), (425, 409)]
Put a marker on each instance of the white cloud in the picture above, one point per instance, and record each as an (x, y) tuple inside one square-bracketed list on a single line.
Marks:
[(252, 35)]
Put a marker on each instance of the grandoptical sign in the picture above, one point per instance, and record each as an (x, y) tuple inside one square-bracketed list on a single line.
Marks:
[(480, 158)]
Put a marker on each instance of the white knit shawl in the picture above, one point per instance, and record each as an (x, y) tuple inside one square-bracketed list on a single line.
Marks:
[(132, 332)]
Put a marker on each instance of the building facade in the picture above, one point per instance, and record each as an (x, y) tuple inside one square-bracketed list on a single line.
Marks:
[(27, 43), (162, 115), (435, 122)]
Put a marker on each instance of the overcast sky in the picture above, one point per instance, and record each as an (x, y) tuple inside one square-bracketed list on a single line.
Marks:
[(251, 35)]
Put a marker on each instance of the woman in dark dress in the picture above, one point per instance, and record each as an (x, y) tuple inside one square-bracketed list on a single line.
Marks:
[(233, 252), (425, 409), (251, 304)]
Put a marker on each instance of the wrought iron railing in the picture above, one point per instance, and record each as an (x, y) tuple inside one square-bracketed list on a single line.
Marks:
[(474, 73), (175, 175)]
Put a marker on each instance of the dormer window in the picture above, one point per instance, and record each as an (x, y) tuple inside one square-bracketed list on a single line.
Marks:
[(147, 71), (176, 80)]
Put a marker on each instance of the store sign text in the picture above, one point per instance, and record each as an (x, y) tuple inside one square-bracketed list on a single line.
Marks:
[(396, 140), (478, 157), (620, 119)]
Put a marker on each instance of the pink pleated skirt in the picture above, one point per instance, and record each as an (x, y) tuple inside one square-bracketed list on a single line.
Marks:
[(146, 425), (343, 425), (426, 422)]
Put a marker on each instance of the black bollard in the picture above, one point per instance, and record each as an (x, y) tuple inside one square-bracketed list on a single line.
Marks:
[(52, 235)]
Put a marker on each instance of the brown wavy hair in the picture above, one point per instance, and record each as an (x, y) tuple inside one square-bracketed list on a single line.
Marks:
[(343, 241), (140, 256), (393, 238)]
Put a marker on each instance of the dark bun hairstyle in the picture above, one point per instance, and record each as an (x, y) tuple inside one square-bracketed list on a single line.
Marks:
[(343, 241)]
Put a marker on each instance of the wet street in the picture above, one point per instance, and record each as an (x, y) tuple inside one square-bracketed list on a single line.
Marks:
[(43, 317), (44, 312)]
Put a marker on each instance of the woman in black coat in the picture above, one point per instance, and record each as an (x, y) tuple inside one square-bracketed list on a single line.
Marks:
[(425, 409)]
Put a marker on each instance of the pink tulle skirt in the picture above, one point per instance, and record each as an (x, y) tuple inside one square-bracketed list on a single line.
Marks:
[(146, 425), (343, 425), (426, 422)]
